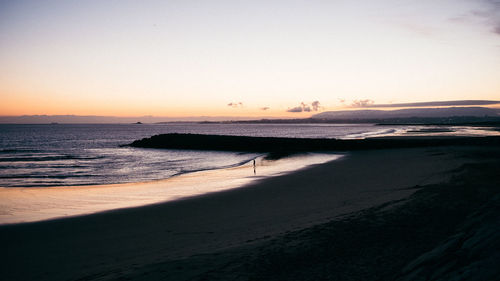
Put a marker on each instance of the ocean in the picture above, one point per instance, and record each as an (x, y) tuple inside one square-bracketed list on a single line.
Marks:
[(44, 155)]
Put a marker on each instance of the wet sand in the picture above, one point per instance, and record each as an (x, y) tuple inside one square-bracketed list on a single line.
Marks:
[(238, 234), (36, 204)]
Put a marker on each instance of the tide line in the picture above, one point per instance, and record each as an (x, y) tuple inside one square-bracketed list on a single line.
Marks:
[(19, 205)]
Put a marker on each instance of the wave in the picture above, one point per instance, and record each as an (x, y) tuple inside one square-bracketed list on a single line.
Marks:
[(31, 176), (47, 158), (38, 165), (218, 167), (361, 135), (18, 151)]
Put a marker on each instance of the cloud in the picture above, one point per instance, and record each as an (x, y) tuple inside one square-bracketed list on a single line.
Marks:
[(235, 104), (264, 108), (305, 107), (295, 109), (488, 14), (370, 103), (315, 105), (362, 103)]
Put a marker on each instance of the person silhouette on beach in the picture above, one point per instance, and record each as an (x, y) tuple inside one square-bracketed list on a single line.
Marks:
[(254, 171)]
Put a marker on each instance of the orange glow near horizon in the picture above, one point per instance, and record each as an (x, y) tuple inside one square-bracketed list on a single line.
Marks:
[(30, 104), (176, 59)]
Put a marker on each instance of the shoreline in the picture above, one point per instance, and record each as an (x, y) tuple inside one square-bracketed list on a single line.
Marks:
[(154, 239), (32, 204)]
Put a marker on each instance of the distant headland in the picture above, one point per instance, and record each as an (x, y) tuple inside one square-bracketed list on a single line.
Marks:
[(442, 115)]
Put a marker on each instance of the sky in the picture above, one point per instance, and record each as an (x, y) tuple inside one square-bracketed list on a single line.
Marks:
[(243, 58)]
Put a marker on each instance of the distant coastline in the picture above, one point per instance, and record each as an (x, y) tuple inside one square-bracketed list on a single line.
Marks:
[(431, 121), (421, 116)]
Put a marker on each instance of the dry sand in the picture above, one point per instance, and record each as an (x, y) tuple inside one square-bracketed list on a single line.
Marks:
[(201, 237)]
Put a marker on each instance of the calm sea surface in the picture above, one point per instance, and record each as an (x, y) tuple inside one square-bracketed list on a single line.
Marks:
[(86, 154)]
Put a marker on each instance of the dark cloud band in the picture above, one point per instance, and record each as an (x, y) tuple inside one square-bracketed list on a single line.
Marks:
[(369, 103)]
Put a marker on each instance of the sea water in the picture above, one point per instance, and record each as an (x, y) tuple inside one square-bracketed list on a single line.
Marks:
[(88, 154)]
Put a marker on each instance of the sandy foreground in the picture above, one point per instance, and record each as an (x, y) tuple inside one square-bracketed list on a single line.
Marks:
[(275, 228)]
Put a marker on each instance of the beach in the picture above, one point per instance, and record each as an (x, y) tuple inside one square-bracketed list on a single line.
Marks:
[(258, 231), (250, 140), (19, 205)]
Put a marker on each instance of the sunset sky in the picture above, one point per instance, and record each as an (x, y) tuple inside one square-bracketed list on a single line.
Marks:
[(243, 58)]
